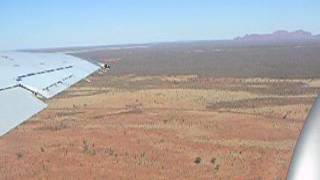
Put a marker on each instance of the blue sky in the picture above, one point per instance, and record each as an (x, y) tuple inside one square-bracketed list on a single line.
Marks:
[(58, 23)]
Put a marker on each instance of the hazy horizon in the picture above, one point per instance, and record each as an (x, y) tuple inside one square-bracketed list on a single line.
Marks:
[(38, 24)]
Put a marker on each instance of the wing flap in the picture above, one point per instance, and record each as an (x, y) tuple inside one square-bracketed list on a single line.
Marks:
[(17, 105), (52, 83)]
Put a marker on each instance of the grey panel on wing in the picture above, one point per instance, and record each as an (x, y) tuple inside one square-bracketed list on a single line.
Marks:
[(50, 84), (16, 106), (43, 73)]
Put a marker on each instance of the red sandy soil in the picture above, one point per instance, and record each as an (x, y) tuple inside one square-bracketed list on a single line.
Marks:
[(106, 140)]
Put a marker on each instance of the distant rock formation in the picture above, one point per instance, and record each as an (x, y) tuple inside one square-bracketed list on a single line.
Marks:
[(279, 35)]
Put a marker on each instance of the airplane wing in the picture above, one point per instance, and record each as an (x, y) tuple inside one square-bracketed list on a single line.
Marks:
[(305, 161), (25, 78)]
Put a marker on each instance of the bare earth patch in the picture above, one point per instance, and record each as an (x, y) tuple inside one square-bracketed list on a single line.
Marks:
[(183, 127)]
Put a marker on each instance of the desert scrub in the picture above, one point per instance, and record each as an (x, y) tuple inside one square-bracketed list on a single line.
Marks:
[(197, 160), (88, 149)]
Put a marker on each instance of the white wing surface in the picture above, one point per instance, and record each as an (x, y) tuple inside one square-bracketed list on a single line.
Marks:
[(305, 161), (25, 75)]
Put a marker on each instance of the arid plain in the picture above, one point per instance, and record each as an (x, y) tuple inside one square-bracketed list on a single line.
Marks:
[(173, 111)]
